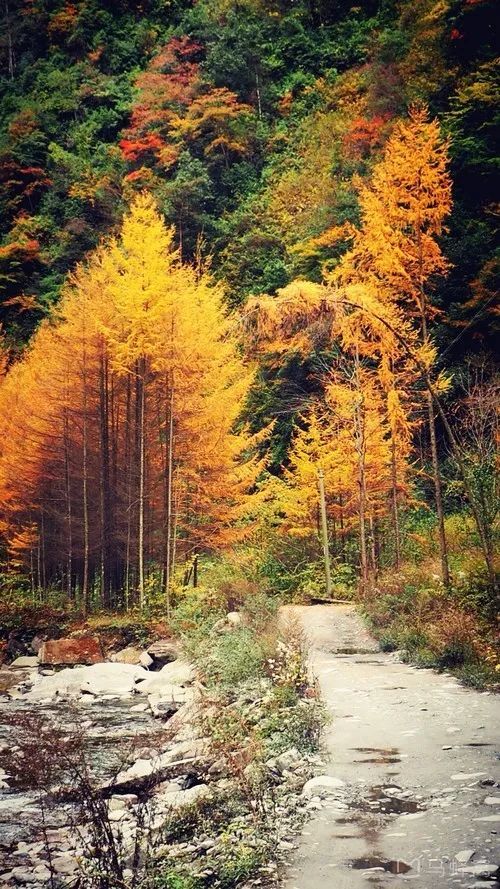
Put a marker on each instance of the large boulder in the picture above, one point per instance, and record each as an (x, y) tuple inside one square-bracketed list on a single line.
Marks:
[(24, 663), (64, 652), (66, 683), (111, 679), (163, 652), (155, 769), (97, 679), (129, 655), (177, 673), (9, 679)]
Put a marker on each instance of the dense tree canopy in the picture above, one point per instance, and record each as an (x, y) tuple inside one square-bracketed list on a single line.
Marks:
[(165, 165)]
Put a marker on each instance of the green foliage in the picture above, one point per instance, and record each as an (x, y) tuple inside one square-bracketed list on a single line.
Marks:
[(68, 93), (234, 657)]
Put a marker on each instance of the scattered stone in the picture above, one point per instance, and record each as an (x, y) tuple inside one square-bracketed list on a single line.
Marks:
[(447, 747), (67, 683), (128, 655), (185, 751), (480, 870), (321, 785), (24, 663), (166, 705), (61, 652), (8, 679), (465, 856), (24, 875), (492, 801), (146, 660), (163, 652), (112, 678), (234, 618), (494, 818), (64, 864), (178, 799), (463, 776), (177, 673), (288, 760)]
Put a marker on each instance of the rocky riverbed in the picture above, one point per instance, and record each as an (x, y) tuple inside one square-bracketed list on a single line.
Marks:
[(107, 758)]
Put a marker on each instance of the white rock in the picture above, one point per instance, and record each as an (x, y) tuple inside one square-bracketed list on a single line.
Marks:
[(321, 785), (174, 674), (463, 776), (129, 655), (112, 678), (145, 660), (22, 663), (234, 618), (142, 768), (488, 818), (479, 870), (24, 875), (464, 856), (171, 695), (492, 801), (177, 799), (67, 682), (65, 864), (288, 759)]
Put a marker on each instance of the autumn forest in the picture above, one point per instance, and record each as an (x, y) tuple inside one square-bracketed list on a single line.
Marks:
[(246, 244)]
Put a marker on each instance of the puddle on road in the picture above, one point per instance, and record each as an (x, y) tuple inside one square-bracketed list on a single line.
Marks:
[(378, 801), (391, 867), (384, 755), (348, 650)]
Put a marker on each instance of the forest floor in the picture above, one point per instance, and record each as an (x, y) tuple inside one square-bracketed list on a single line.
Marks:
[(414, 756)]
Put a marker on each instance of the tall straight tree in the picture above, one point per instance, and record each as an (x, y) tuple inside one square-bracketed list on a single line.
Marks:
[(403, 212), (119, 450)]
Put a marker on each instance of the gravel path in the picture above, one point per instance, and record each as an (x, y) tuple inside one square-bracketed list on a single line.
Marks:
[(418, 758)]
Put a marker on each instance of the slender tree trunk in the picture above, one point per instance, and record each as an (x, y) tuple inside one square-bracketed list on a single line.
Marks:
[(257, 92), (85, 505), (42, 542), (32, 574), (169, 460), (359, 430), (457, 453), (324, 531), (443, 550), (140, 535), (105, 481), (69, 517), (10, 49), (341, 524), (373, 545), (174, 532), (395, 505), (129, 463)]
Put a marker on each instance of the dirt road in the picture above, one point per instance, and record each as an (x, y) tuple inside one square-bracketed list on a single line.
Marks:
[(418, 758)]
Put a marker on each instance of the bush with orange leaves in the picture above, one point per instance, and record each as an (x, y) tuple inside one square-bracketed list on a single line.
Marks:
[(455, 628)]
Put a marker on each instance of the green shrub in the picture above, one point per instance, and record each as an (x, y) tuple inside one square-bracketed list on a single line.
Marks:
[(388, 641), (177, 879), (234, 657), (293, 724), (239, 861), (477, 676)]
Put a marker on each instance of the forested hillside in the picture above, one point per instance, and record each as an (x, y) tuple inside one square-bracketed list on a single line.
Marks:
[(244, 241)]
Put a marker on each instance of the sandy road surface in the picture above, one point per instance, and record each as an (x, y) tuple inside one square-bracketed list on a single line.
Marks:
[(418, 756)]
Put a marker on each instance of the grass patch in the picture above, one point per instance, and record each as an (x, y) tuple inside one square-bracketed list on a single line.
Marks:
[(446, 629)]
